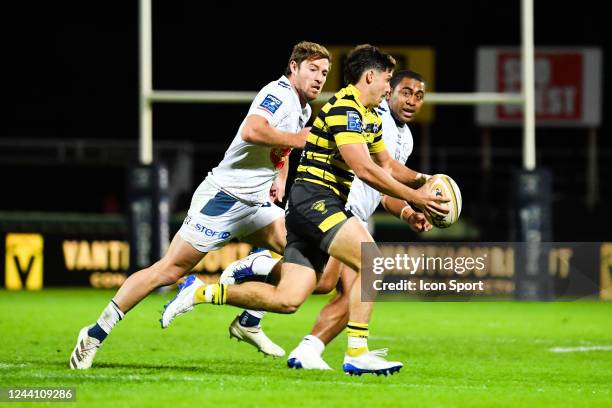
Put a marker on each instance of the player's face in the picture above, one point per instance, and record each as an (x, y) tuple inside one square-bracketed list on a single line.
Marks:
[(380, 85), (310, 77), (406, 99)]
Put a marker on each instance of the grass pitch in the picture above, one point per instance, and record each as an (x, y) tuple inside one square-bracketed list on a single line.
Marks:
[(455, 354)]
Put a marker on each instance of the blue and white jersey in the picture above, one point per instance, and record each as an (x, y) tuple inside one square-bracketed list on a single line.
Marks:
[(248, 170), (363, 199)]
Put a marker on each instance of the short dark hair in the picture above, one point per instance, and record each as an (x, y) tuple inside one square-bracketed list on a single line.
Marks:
[(307, 51), (364, 57), (405, 73)]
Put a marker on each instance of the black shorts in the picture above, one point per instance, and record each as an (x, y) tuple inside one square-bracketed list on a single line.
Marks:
[(313, 217)]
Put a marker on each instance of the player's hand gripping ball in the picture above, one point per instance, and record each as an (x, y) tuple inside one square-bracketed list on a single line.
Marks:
[(443, 185)]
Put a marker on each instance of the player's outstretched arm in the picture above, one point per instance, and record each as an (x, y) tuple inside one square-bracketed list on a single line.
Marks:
[(257, 130), (356, 155), (400, 172), (402, 210)]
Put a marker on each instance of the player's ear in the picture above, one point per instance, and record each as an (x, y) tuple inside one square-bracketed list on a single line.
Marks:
[(369, 76), (293, 66)]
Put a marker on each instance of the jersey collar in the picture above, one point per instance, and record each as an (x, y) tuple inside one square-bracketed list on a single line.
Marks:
[(352, 89)]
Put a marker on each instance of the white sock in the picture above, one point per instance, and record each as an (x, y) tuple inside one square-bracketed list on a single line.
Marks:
[(313, 342), (110, 316), (256, 313), (263, 265), (355, 342)]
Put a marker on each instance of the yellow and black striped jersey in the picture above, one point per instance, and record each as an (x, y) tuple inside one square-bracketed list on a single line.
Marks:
[(343, 120)]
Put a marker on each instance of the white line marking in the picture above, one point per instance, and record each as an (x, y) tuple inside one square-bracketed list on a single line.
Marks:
[(579, 349), (10, 365)]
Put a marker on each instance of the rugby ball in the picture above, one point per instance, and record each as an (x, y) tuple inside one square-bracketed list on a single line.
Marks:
[(443, 185)]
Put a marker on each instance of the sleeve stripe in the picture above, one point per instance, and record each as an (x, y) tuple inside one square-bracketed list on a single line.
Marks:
[(320, 141), (377, 147), (349, 138)]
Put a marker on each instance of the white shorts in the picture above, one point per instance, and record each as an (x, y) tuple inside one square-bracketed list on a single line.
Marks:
[(214, 218), (358, 213)]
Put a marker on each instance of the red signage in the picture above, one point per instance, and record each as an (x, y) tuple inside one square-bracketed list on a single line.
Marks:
[(567, 83)]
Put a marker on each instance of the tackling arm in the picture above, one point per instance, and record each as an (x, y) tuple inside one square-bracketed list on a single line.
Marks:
[(257, 130), (277, 192)]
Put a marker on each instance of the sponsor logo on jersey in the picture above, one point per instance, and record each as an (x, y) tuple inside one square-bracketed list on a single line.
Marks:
[(270, 104), (319, 206), (353, 121)]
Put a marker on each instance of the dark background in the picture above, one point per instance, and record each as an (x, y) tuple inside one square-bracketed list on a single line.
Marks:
[(71, 73)]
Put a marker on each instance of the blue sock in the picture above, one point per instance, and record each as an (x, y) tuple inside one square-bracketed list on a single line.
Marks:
[(248, 320), (97, 332)]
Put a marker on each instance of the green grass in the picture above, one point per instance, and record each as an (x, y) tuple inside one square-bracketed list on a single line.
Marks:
[(456, 354)]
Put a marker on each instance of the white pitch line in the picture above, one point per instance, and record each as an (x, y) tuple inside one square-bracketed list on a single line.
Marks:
[(11, 365), (579, 349)]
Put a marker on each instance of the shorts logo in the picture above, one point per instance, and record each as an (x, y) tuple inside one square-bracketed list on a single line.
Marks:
[(353, 121), (319, 206), (270, 104), (211, 233)]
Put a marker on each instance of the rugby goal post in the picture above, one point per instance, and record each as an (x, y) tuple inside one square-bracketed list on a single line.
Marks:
[(148, 95), (528, 287)]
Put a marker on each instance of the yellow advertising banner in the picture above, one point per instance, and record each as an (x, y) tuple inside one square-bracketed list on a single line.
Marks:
[(24, 262)]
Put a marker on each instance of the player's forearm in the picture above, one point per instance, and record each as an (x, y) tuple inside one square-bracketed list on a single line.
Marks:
[(283, 173), (377, 178), (266, 135), (396, 207), (406, 175)]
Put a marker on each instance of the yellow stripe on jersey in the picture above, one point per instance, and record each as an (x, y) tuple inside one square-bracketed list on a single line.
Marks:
[(341, 184), (342, 120), (322, 183), (349, 138), (320, 141), (325, 158), (336, 120)]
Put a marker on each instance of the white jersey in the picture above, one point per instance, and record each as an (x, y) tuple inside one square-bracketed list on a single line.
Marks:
[(363, 199), (248, 170)]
